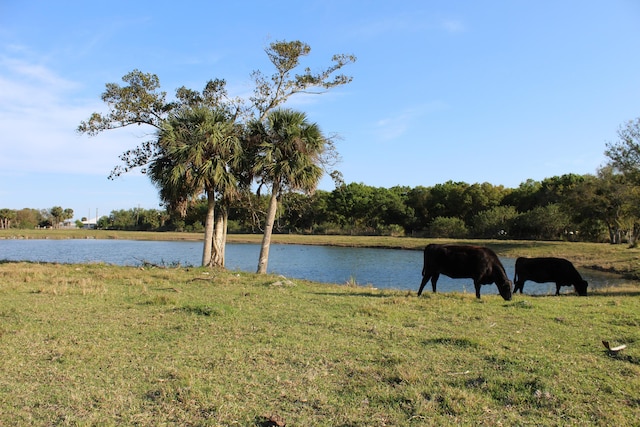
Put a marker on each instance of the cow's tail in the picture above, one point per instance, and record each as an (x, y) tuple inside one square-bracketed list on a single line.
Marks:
[(424, 262)]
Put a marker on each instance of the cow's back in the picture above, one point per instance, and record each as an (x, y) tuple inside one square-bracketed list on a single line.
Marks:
[(494, 270), (547, 269), (462, 261)]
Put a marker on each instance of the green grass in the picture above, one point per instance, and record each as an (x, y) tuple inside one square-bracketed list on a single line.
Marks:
[(105, 345)]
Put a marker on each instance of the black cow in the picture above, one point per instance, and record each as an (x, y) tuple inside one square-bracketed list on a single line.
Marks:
[(462, 261), (541, 270)]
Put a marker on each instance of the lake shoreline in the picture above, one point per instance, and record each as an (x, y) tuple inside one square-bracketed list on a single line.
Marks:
[(616, 259)]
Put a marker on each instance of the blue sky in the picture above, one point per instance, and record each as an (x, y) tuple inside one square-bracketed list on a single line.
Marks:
[(495, 91)]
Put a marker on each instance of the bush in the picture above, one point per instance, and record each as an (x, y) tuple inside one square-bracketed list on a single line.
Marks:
[(393, 230), (448, 227), (492, 223), (541, 223), (196, 227)]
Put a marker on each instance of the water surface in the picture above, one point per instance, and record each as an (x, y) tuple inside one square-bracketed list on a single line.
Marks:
[(380, 268)]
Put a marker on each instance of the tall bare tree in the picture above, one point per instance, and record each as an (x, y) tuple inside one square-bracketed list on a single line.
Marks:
[(285, 161), (274, 90), (624, 154)]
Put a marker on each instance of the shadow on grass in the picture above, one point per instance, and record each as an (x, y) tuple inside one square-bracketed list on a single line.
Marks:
[(603, 292), (269, 421), (8, 261), (623, 357), (614, 293), (456, 342), (369, 294)]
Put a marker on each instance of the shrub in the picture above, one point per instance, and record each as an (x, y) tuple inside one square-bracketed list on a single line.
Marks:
[(448, 227)]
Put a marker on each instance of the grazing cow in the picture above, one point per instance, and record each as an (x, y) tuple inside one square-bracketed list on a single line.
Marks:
[(541, 270), (461, 261)]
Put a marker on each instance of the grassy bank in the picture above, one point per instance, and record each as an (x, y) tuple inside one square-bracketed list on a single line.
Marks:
[(601, 256), (96, 344)]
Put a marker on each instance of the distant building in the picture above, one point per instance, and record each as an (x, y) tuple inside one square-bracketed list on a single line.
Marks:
[(90, 223)]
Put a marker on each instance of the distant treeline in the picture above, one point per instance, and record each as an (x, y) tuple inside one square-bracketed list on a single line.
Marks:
[(56, 217), (571, 207)]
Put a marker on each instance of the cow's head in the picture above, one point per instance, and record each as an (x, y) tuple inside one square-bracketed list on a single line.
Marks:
[(505, 289), (581, 288)]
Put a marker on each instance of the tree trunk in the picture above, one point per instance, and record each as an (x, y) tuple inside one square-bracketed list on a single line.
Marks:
[(614, 233), (268, 228), (615, 236), (208, 229), (225, 226), (634, 235), (219, 238)]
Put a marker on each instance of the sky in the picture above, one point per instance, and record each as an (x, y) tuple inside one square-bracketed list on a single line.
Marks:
[(498, 91)]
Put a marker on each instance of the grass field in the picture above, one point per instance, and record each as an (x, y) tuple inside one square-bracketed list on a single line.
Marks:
[(105, 345)]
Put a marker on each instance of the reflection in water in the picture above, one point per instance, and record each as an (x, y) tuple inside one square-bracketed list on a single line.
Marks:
[(380, 268)]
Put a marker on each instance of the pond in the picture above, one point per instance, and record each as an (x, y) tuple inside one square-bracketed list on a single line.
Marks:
[(379, 268)]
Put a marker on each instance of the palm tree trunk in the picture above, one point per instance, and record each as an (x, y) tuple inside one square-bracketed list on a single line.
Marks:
[(208, 229), (219, 239), (268, 228), (225, 227)]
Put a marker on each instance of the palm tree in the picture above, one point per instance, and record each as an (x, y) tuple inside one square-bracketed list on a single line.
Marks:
[(288, 159), (198, 147)]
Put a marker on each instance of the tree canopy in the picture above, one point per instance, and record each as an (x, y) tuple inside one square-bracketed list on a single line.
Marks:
[(624, 154), (186, 161)]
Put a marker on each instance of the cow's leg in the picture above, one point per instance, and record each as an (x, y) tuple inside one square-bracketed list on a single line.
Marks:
[(518, 285), (434, 280), (477, 285), (558, 285), (425, 279)]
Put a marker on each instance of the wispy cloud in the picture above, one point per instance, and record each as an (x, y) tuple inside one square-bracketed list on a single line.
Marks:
[(417, 22), (395, 126), (24, 84), (39, 112), (34, 72), (453, 26), (380, 27)]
